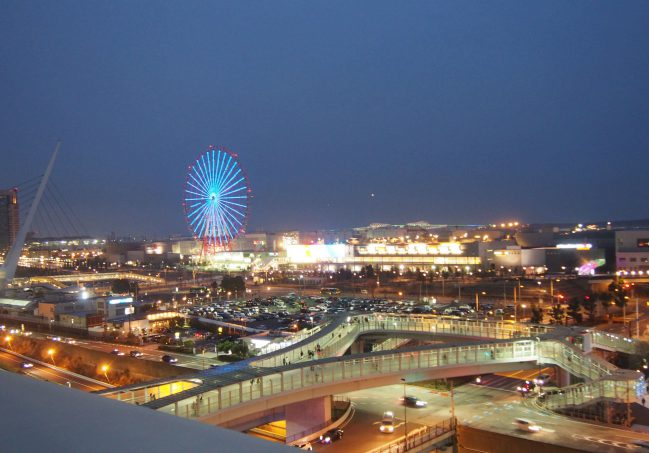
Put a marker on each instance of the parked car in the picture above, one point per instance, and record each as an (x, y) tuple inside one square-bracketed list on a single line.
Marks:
[(331, 436), (169, 359)]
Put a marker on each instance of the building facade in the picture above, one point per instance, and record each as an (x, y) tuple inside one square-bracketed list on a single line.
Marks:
[(9, 218)]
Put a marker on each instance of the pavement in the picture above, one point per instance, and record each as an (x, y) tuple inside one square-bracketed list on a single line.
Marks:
[(478, 406)]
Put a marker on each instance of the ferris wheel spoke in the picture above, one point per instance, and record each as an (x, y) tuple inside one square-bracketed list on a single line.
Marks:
[(197, 213), (227, 216), (234, 193), (233, 203), (223, 230), (198, 175), (200, 172), (231, 185), (227, 181), (200, 198), (232, 209), (198, 179), (213, 167), (233, 213), (235, 197), (223, 172), (195, 186)]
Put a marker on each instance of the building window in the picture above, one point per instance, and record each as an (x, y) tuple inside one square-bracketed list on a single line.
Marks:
[(643, 242), (622, 259), (633, 260)]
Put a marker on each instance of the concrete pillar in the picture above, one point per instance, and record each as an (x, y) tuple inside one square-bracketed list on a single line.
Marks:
[(563, 377), (358, 347), (307, 414)]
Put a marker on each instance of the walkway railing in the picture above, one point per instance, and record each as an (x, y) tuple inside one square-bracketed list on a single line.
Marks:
[(417, 437), (338, 370), (611, 341), (329, 342), (312, 362)]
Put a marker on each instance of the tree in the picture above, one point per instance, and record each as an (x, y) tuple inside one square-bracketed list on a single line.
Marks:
[(557, 314), (617, 290), (574, 310), (537, 315), (233, 284), (124, 286), (590, 305), (605, 299)]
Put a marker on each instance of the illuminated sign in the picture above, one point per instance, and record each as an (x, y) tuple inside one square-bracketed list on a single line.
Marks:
[(121, 300), (443, 248), (575, 246), (316, 253)]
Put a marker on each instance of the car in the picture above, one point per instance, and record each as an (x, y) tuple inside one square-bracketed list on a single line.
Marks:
[(542, 379), (524, 388), (643, 444), (169, 359), (26, 365), (117, 352), (413, 401), (304, 446), (387, 422), (527, 425), (331, 436), (135, 353)]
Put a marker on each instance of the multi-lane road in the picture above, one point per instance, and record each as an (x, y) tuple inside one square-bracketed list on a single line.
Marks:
[(11, 362), (478, 406)]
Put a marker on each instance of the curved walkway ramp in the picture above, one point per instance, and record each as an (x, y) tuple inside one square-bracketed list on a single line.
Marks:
[(289, 375)]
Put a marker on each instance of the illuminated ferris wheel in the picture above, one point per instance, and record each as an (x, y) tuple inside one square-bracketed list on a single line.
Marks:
[(216, 199)]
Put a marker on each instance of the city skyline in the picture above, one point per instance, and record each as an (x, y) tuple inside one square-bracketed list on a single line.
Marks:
[(342, 115)]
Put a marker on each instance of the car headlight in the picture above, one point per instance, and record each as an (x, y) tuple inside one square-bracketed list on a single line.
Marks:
[(420, 403)]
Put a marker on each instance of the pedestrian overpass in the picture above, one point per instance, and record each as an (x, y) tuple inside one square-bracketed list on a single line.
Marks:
[(287, 383)]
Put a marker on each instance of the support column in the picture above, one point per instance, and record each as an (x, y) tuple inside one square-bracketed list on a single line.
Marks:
[(303, 416), (563, 377), (358, 347)]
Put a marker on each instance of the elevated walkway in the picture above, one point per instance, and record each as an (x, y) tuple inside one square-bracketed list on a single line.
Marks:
[(288, 376)]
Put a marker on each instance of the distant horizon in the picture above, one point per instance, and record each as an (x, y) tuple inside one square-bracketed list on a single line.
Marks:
[(614, 224)]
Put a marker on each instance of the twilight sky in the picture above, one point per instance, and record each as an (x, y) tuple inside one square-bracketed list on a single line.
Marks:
[(448, 111)]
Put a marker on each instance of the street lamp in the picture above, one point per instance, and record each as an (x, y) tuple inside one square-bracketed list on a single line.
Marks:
[(405, 413), (51, 352), (8, 340), (104, 369)]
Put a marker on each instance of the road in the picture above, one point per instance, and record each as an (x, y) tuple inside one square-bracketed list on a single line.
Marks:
[(478, 406), (43, 373), (149, 352)]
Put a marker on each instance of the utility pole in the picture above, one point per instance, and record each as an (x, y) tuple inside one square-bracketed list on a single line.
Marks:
[(637, 318), (515, 306)]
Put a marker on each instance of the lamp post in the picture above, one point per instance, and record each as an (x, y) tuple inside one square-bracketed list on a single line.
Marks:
[(104, 369), (50, 352), (405, 413)]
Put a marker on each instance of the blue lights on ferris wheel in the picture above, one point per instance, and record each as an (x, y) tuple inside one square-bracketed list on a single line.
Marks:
[(216, 200)]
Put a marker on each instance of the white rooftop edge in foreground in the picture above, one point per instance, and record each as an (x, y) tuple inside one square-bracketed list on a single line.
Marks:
[(42, 416)]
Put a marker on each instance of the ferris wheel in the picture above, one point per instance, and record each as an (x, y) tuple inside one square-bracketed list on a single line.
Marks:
[(216, 198)]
